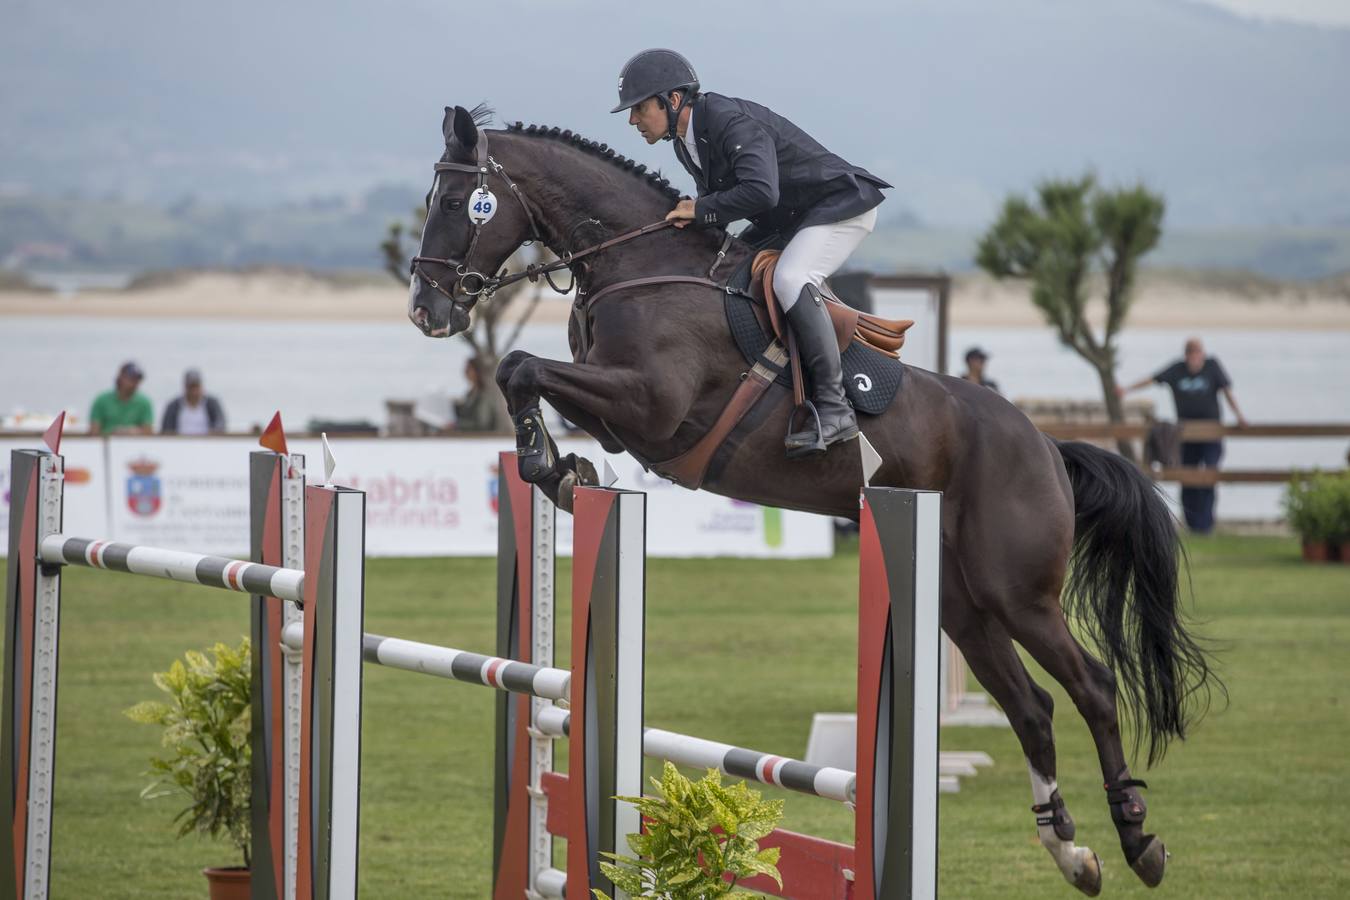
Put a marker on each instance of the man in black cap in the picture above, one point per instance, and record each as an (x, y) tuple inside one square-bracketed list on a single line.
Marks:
[(195, 412), (124, 409), (751, 163), (975, 360)]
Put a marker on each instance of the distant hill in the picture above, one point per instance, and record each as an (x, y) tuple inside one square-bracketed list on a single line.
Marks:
[(74, 233), (1305, 254), (1240, 123), (82, 234)]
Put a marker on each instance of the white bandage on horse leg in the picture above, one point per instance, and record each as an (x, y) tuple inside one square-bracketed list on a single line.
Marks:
[(1071, 859)]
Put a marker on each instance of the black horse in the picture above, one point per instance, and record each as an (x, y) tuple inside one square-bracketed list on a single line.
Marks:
[(658, 365)]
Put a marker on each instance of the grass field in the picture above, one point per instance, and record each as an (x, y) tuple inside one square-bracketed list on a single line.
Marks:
[(1252, 806)]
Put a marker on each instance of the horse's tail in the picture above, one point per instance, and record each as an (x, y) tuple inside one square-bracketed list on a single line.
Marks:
[(1123, 588)]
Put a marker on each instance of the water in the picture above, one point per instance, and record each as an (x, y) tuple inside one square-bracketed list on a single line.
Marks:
[(1278, 376), (346, 370)]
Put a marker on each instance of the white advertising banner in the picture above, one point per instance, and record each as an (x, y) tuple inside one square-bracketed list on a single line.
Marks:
[(180, 493), (697, 523), (86, 496), (425, 497)]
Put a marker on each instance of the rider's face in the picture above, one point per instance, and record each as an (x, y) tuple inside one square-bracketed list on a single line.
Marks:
[(649, 118)]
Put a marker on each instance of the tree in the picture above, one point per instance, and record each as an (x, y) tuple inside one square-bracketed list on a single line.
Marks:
[(398, 248), (1074, 231)]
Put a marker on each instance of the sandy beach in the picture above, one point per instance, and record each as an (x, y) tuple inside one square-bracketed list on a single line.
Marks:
[(1163, 300)]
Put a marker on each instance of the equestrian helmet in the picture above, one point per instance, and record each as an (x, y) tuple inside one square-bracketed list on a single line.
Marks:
[(654, 73)]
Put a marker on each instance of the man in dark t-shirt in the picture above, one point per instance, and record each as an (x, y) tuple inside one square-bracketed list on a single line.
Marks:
[(1196, 382)]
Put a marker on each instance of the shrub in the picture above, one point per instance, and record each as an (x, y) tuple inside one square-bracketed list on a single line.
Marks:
[(206, 733), (695, 832), (1318, 507)]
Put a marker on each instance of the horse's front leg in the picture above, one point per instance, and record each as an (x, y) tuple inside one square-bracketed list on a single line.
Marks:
[(615, 394)]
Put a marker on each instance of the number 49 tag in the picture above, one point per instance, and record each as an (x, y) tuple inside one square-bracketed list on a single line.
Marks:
[(482, 206)]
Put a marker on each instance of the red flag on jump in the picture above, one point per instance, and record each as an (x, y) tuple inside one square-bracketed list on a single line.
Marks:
[(274, 436), (52, 436)]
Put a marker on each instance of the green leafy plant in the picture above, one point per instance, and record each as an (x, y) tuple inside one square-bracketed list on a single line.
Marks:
[(1318, 507), (695, 831), (206, 733), (1074, 239)]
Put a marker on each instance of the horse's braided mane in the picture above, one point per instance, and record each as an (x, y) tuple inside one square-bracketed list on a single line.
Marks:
[(600, 151)]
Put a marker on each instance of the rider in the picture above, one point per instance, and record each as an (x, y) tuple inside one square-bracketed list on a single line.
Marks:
[(751, 163)]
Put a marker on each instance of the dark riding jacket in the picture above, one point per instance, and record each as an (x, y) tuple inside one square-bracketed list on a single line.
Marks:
[(754, 164)]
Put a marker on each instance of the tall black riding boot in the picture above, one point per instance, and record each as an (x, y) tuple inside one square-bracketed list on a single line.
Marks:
[(820, 357)]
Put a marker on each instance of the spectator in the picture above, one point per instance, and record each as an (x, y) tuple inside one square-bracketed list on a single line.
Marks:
[(479, 409), (975, 360), (1196, 382), (124, 409), (195, 412)]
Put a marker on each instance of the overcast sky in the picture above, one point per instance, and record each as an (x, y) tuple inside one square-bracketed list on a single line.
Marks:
[(1231, 109), (1315, 12)]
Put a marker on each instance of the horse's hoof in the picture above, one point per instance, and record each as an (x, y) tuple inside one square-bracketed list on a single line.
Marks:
[(565, 486), (1089, 878), (1151, 863), (586, 473)]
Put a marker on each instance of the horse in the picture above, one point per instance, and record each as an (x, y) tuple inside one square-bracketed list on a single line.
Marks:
[(1026, 520)]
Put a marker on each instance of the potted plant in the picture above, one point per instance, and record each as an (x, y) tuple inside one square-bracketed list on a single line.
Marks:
[(1318, 508), (206, 722), (694, 834)]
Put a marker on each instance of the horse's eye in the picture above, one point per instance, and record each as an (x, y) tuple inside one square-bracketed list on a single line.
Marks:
[(449, 204)]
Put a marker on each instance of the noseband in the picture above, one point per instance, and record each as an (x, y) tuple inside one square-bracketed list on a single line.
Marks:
[(487, 285)]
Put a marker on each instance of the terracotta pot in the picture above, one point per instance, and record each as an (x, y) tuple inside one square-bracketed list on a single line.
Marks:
[(1316, 551), (228, 884)]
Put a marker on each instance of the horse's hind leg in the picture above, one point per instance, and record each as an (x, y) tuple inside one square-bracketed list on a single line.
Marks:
[(991, 656), (1044, 633)]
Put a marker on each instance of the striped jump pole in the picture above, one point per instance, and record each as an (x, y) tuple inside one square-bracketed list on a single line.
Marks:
[(277, 538), (332, 658), (306, 813), (609, 556), (330, 730), (173, 565), (457, 665), (895, 788), (697, 753), (522, 849), (28, 730), (899, 640)]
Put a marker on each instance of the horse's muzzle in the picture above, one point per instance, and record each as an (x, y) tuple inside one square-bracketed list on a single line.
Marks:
[(435, 314)]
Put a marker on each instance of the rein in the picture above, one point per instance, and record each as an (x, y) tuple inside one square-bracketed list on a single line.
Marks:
[(487, 285)]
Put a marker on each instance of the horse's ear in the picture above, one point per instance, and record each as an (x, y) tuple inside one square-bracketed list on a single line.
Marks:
[(459, 124)]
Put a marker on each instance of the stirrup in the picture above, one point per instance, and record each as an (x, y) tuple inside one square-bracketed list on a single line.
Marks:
[(808, 442)]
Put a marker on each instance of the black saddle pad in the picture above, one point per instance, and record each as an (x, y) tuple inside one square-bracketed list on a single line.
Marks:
[(871, 379)]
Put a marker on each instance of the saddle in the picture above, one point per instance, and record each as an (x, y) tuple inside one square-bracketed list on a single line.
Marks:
[(869, 331), (869, 345), (869, 351)]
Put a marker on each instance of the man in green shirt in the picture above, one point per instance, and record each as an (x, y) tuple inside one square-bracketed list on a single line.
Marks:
[(123, 409)]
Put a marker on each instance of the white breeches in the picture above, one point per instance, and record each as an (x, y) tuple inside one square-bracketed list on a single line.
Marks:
[(816, 252)]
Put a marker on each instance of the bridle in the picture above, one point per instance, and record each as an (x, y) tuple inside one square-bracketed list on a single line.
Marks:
[(487, 285)]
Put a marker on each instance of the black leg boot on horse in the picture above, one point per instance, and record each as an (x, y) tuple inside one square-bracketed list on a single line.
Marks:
[(834, 420)]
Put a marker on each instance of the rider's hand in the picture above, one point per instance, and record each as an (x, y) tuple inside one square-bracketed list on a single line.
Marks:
[(682, 214)]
